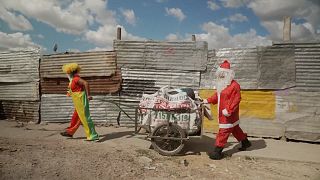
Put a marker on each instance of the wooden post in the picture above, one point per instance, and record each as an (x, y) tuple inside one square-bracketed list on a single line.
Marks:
[(193, 37), (286, 28), (119, 33)]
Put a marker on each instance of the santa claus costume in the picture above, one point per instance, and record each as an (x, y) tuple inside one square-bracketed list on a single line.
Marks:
[(228, 99)]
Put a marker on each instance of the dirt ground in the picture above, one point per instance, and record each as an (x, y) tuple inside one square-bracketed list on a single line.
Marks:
[(33, 151)]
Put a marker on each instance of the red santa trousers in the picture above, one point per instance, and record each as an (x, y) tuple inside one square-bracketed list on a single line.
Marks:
[(223, 135)]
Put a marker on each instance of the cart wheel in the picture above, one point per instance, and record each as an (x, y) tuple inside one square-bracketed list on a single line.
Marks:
[(168, 147)]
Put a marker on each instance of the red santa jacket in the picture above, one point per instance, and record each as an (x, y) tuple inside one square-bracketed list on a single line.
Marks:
[(229, 99)]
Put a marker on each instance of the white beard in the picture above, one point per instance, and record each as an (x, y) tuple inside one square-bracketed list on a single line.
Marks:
[(222, 83)]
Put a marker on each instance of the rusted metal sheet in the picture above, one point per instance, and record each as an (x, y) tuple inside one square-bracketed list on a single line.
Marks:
[(19, 75), (19, 91), (138, 81), (244, 62), (255, 68), (307, 60), (128, 104), (98, 85), (162, 55), (19, 66), (59, 108), (93, 64), (297, 117), (307, 57), (262, 128), (276, 67), (300, 114), (26, 111)]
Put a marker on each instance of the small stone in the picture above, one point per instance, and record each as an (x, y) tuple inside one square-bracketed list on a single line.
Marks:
[(184, 162), (144, 160), (150, 167), (212, 166)]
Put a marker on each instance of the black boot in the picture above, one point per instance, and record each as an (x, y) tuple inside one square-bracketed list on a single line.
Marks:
[(65, 134), (217, 153), (245, 144)]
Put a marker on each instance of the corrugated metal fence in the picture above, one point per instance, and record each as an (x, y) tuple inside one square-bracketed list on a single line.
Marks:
[(288, 75), (98, 68), (270, 67), (147, 66), (187, 56), (19, 84), (280, 83)]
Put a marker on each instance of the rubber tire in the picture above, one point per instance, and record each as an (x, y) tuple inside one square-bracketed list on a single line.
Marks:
[(164, 151)]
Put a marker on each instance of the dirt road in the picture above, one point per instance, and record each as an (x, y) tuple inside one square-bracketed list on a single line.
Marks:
[(29, 151)]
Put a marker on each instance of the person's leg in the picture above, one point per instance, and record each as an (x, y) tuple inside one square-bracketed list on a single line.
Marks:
[(75, 123), (238, 133), (74, 120), (221, 140), (93, 134), (241, 137), (222, 137), (82, 106)]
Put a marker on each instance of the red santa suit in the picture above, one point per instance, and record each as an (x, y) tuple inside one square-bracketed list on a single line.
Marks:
[(228, 99)]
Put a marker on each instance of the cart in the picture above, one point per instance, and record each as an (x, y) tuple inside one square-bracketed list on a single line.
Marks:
[(169, 138)]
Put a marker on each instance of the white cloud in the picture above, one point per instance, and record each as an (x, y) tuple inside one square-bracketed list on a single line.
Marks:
[(99, 12), (129, 16), (233, 3), (73, 50), (105, 35), (15, 22), (176, 12), (272, 12), (172, 37), (16, 40), (71, 17), (99, 49), (238, 18), (50, 12), (219, 36), (213, 6)]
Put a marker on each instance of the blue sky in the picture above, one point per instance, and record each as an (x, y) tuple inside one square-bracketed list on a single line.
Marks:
[(88, 25)]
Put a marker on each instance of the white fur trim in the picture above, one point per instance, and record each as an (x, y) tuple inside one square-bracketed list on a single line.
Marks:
[(225, 113), (225, 126), (205, 101)]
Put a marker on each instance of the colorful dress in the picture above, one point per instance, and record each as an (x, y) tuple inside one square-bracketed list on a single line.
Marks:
[(81, 113)]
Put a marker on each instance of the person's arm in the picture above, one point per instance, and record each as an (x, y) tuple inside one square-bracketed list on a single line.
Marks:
[(235, 100), (86, 86), (213, 99)]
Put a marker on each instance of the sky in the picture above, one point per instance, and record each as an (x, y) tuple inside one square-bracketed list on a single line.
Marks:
[(91, 25)]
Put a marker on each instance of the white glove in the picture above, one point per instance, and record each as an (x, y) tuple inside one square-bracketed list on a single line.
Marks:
[(225, 113), (205, 101)]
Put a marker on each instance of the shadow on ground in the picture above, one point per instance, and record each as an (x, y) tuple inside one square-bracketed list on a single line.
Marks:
[(110, 136), (205, 144)]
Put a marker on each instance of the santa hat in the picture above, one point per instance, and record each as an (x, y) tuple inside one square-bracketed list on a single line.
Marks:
[(225, 67), (225, 64)]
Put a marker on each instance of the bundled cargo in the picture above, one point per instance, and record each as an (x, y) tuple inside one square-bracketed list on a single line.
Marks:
[(170, 105)]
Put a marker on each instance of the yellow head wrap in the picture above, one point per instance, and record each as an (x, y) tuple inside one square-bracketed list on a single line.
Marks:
[(70, 68)]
